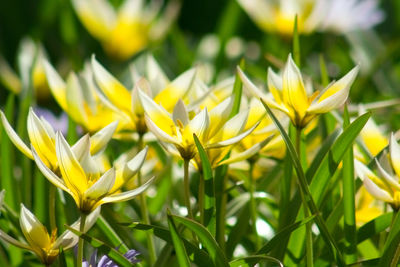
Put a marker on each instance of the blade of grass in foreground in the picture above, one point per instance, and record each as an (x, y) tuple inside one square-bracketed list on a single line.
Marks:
[(180, 250), (307, 194), (350, 234), (103, 248), (208, 213)]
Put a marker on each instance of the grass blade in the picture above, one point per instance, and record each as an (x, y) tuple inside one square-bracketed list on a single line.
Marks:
[(206, 239), (253, 260), (180, 250), (105, 249), (209, 197), (304, 187), (197, 255), (350, 233)]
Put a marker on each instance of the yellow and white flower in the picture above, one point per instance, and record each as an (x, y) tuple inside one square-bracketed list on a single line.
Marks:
[(38, 240), (79, 98), (127, 101), (83, 179), (289, 93), (339, 16), (128, 30), (386, 186), (214, 129), (42, 138)]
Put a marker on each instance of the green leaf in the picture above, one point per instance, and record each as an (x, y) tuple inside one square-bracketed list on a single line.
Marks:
[(206, 239), (283, 234), (180, 250), (324, 72), (391, 251), (296, 42), (237, 91), (374, 227), (105, 249), (7, 158), (331, 161), (349, 206), (109, 232), (197, 255), (209, 196), (304, 187), (253, 260)]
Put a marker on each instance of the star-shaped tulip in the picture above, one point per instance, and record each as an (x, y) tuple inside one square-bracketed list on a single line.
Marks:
[(128, 30), (214, 129), (42, 138), (83, 179), (386, 185), (38, 240), (289, 93)]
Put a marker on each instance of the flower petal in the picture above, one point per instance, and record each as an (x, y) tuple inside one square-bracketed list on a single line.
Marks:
[(102, 186), (128, 194), (34, 231), (293, 90), (41, 140), (111, 87), (158, 132), (100, 139), (72, 173), (158, 115), (219, 115), (394, 149), (57, 86), (335, 95), (176, 90), (247, 153), (199, 125), (387, 177), (275, 85), (133, 165), (249, 85), (68, 239), (75, 100), (98, 16), (14, 137), (180, 113), (54, 179), (376, 191)]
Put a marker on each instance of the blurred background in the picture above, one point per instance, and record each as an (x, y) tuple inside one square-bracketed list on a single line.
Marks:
[(217, 34)]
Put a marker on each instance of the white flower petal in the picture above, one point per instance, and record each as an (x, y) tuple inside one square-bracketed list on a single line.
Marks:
[(394, 149), (133, 166), (15, 139), (388, 178), (54, 179), (376, 191), (128, 194), (100, 139), (102, 186), (335, 95)]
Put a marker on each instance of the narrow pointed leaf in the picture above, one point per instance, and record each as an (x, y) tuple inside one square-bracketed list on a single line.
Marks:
[(180, 250), (103, 248), (209, 198), (253, 260), (198, 256), (303, 186), (206, 239)]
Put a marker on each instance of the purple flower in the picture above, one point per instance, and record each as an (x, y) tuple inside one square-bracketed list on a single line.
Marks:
[(107, 262)]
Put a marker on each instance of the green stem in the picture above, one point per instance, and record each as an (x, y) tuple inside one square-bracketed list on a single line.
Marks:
[(145, 212), (396, 255), (253, 206), (187, 187), (201, 198), (309, 240), (52, 207), (80, 243)]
